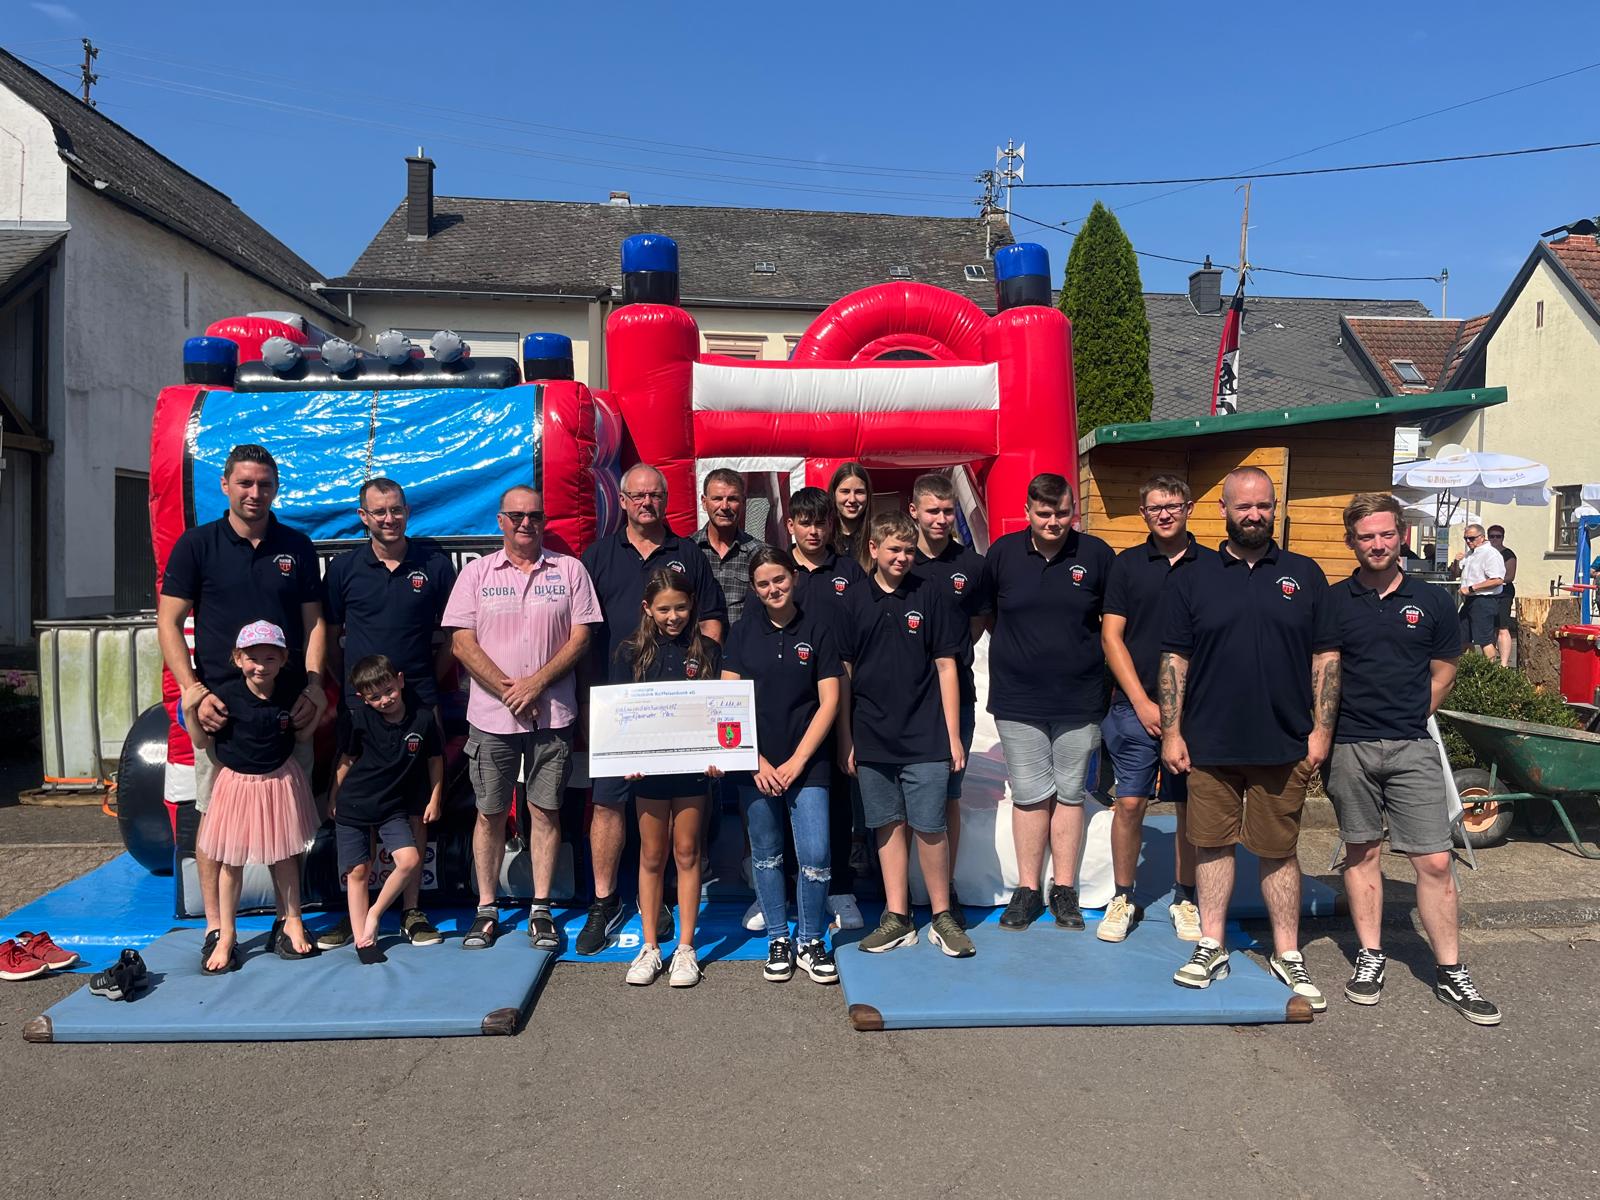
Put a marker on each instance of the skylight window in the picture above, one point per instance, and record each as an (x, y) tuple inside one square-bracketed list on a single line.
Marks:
[(1407, 370), (899, 271), (975, 273), (766, 268)]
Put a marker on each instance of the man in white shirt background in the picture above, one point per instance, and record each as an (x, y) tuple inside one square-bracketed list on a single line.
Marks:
[(1483, 576)]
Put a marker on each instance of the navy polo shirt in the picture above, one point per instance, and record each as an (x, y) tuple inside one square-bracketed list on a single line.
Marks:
[(1138, 579), (1045, 660), (231, 583), (958, 572), (1386, 647), (671, 663), (825, 586), (390, 775), (259, 735), (892, 638), (786, 664), (1249, 635), (619, 576), (390, 612)]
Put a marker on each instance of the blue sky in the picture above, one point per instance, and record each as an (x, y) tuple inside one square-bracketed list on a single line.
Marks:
[(303, 116)]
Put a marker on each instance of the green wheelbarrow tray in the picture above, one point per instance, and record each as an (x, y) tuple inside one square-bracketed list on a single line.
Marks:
[(1541, 762)]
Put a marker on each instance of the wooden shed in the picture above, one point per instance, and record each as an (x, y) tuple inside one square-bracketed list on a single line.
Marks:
[(1318, 456)]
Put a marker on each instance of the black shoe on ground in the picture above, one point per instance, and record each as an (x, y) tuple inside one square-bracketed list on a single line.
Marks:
[(542, 932), (605, 918), (1064, 907), (1455, 987), (1366, 981), (780, 961), (1025, 908), (332, 939)]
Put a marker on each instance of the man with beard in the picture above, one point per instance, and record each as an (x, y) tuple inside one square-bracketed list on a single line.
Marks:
[(1249, 687), (1398, 645)]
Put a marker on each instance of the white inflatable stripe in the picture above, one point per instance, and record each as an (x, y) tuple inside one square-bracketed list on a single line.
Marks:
[(969, 388)]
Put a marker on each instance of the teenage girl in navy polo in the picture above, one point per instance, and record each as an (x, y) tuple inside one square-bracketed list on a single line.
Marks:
[(668, 646), (793, 658), (851, 492), (261, 808)]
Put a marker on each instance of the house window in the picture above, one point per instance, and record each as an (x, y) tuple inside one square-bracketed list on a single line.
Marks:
[(1567, 501), (135, 586), (790, 341), (1407, 370), (736, 345), (1538, 314)]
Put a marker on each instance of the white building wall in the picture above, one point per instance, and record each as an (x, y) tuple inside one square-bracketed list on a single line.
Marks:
[(33, 179)]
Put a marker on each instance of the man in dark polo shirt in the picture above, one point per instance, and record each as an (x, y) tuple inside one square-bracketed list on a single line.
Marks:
[(1398, 644), (1130, 634), (1249, 686), (386, 598), (240, 568), (957, 570), (619, 567), (722, 539), (1047, 690)]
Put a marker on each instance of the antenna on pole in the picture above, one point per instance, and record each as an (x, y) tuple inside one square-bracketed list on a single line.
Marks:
[(90, 53), (1444, 290), (1244, 230), (1012, 173)]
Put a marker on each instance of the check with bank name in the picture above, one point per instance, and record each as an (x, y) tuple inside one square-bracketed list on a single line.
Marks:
[(672, 728)]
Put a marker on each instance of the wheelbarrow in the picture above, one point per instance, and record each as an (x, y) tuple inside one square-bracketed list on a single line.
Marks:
[(1526, 762)]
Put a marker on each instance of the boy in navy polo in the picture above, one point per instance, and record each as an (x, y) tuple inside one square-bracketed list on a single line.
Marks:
[(1398, 645), (899, 729), (1249, 684), (957, 570), (391, 770)]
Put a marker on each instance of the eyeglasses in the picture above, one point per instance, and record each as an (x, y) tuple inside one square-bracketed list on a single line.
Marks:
[(1171, 510), (380, 513), (514, 519), (637, 497)]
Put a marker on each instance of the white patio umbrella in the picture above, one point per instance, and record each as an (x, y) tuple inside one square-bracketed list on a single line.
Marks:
[(1457, 475), (1426, 512)]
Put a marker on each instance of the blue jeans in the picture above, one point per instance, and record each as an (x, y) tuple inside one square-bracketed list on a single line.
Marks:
[(807, 809)]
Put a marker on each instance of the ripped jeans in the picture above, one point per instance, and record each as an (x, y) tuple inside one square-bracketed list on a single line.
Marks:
[(808, 814)]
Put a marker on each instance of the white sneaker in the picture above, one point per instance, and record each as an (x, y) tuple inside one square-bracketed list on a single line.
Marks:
[(846, 912), (755, 920), (1289, 968), (645, 967), (1185, 920), (685, 967), (1118, 920)]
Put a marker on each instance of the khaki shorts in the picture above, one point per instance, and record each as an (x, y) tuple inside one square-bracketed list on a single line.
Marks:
[(497, 762), (1256, 807), (205, 771)]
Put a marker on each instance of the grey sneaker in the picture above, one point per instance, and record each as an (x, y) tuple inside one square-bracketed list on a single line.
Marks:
[(894, 930), (1290, 970), (1207, 964), (947, 934)]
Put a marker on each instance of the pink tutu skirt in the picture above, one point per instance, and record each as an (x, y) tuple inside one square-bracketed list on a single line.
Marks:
[(258, 818)]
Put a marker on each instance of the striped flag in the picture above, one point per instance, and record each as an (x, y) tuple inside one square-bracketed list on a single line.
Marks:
[(1225, 383)]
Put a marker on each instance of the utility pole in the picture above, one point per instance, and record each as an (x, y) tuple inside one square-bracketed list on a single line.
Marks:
[(986, 205), (1244, 230), (90, 53), (1012, 173)]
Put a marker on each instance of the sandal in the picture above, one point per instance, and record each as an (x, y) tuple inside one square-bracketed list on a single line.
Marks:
[(213, 936), (283, 947), (231, 965), (482, 933)]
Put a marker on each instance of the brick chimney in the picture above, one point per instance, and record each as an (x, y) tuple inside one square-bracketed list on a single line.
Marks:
[(1205, 289), (419, 197)]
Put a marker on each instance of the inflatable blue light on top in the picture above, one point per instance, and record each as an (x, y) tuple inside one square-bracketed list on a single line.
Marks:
[(210, 361), (649, 269), (1022, 275), (546, 356)]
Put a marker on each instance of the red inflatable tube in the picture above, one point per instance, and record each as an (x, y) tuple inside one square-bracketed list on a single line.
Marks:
[(894, 310), (1038, 410), (650, 351), (168, 520), (567, 463), (887, 439), (249, 332)]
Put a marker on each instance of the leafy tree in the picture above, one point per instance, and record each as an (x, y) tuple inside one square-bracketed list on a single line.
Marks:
[(1104, 300)]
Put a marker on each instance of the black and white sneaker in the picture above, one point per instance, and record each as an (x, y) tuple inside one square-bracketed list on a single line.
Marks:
[(1455, 987), (1366, 981), (1064, 907), (816, 960), (780, 961), (1207, 965), (605, 918)]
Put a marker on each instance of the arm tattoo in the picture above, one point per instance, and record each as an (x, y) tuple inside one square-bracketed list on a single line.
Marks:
[(1174, 672), (1326, 689)]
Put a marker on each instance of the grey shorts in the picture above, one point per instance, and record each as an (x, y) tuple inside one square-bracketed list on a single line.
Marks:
[(497, 762), (205, 771), (909, 792), (1048, 758), (1400, 781)]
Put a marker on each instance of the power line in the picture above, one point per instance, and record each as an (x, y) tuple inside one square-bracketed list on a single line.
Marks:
[(1383, 166)]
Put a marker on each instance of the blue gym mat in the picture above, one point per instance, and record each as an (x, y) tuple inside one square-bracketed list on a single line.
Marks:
[(421, 991), (1049, 976)]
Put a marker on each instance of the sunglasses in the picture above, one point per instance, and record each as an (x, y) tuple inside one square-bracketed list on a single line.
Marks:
[(517, 518)]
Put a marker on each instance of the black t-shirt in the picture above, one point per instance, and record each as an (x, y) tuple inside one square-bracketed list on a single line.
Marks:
[(1386, 649), (1138, 580), (786, 665), (259, 736), (891, 639), (1045, 660), (1509, 592), (671, 662), (232, 583), (393, 613), (1249, 635), (619, 576), (958, 572), (390, 775)]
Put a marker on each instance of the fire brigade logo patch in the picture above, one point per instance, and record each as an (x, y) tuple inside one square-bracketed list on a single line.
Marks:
[(285, 564), (283, 722), (1288, 585), (678, 567), (839, 584), (802, 651), (913, 620), (1078, 575), (729, 734), (413, 742), (691, 669), (958, 581), (1412, 614), (418, 581)]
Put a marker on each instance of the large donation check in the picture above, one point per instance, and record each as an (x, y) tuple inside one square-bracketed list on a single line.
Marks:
[(672, 728)]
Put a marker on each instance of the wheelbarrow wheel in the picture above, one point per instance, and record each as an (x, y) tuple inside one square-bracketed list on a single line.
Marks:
[(1484, 822)]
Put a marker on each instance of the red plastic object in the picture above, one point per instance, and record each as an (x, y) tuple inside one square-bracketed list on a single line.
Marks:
[(1580, 662)]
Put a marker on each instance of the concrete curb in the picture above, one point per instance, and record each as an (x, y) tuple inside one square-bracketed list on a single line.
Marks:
[(1494, 914)]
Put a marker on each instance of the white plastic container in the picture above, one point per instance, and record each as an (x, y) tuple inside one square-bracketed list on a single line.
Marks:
[(95, 677)]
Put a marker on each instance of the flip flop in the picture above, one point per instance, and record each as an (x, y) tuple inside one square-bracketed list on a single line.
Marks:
[(208, 946)]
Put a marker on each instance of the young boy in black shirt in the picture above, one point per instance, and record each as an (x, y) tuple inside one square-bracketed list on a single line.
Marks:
[(392, 768)]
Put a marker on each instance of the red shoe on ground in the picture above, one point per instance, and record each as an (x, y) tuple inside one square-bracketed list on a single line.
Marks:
[(41, 947), (16, 963)]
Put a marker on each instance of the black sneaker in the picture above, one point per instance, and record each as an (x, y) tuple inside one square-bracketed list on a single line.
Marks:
[(1064, 907), (418, 930), (605, 918), (542, 933), (1366, 981), (332, 939), (1455, 987), (1025, 908), (780, 961), (816, 960)]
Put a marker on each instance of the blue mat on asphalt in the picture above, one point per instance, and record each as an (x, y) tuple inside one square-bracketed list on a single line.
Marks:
[(1050, 976), (421, 991)]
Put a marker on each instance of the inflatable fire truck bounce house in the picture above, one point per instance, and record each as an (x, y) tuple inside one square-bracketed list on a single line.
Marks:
[(903, 377)]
